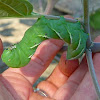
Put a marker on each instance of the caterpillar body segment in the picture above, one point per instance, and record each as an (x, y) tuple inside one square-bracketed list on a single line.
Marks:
[(59, 27), (44, 29), (76, 53)]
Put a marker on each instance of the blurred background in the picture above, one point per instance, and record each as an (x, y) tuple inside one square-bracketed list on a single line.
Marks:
[(12, 30)]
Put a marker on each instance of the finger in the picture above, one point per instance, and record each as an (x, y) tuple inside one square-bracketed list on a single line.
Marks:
[(97, 39), (63, 70), (36, 96), (69, 88), (59, 76), (86, 90), (67, 67), (40, 60), (1, 48)]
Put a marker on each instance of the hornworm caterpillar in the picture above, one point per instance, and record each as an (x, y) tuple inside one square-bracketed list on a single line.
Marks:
[(20, 54)]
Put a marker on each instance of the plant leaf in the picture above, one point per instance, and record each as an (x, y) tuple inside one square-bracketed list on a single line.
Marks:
[(15, 8), (95, 19)]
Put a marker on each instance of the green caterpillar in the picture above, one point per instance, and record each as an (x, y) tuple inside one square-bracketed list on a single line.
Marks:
[(20, 54)]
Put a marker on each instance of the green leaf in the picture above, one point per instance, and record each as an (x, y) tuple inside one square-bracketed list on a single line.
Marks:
[(95, 19), (15, 8)]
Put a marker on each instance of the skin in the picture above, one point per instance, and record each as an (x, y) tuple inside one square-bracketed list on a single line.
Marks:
[(68, 81)]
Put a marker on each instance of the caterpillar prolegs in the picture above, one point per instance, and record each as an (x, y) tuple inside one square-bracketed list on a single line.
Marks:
[(20, 54)]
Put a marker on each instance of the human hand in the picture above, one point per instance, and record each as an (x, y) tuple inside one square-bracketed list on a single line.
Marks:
[(69, 80)]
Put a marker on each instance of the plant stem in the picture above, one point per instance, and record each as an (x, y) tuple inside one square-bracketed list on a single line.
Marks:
[(96, 47), (52, 17), (57, 59), (88, 51), (86, 21), (92, 71), (35, 15)]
